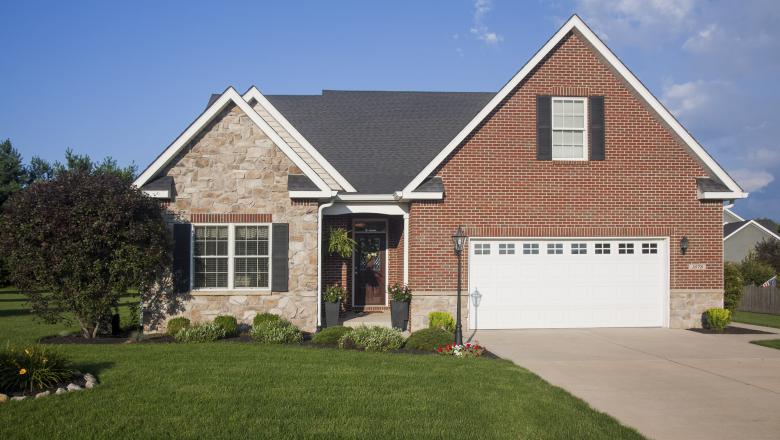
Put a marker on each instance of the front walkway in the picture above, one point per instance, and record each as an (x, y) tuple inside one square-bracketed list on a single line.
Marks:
[(668, 384)]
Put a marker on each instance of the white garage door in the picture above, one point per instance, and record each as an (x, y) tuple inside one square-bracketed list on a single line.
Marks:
[(529, 283)]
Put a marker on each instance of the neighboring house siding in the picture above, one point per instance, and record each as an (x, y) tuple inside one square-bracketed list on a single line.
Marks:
[(645, 187), (233, 167), (739, 244), (729, 217), (297, 147)]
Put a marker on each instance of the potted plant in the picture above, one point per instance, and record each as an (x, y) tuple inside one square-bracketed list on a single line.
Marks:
[(332, 299), (399, 308), (340, 243)]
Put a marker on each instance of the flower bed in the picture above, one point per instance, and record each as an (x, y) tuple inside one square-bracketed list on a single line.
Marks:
[(462, 351)]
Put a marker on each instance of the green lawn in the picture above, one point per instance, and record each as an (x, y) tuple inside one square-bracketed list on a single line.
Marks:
[(764, 319), (240, 390), (771, 343)]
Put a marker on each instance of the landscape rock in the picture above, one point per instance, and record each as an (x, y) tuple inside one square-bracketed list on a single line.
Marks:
[(73, 387), (89, 385), (42, 394), (3, 398), (90, 378), (60, 390), (17, 398)]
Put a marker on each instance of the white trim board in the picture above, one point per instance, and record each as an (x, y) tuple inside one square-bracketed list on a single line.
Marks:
[(228, 96), (575, 23), (254, 93), (754, 223)]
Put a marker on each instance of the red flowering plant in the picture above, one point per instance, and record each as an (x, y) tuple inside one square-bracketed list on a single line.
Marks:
[(461, 351)]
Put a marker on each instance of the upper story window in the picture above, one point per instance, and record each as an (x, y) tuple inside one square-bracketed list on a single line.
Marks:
[(569, 133)]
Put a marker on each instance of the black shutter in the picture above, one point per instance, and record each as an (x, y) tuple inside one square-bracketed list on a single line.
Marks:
[(544, 127), (596, 129), (280, 245), (182, 241)]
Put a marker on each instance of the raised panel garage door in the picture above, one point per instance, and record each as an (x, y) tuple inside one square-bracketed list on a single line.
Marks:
[(528, 283)]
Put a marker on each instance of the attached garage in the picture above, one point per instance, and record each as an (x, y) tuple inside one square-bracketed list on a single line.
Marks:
[(569, 283)]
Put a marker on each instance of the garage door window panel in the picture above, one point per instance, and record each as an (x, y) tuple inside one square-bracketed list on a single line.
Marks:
[(603, 248), (530, 248)]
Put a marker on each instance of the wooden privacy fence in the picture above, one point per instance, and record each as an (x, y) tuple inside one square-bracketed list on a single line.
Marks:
[(760, 300)]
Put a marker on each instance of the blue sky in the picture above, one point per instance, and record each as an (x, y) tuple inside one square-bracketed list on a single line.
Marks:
[(125, 78)]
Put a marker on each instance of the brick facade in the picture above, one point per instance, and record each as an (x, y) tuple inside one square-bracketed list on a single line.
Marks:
[(495, 186)]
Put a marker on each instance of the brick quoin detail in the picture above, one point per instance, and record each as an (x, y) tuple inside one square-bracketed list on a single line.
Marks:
[(495, 187), (230, 218)]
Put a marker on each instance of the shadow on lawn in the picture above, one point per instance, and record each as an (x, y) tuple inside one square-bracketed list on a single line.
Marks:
[(94, 367), (14, 312)]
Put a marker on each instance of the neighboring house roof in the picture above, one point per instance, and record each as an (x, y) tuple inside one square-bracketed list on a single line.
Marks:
[(729, 229), (576, 24), (379, 140)]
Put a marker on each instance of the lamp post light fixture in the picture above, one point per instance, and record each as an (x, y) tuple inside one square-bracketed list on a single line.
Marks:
[(476, 298), (684, 245), (458, 240)]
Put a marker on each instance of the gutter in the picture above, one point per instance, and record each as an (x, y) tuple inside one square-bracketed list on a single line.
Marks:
[(319, 257)]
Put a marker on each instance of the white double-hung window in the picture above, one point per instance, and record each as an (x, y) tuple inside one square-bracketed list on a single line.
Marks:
[(569, 129), (231, 256)]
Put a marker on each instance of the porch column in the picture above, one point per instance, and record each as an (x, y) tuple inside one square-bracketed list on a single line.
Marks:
[(406, 248)]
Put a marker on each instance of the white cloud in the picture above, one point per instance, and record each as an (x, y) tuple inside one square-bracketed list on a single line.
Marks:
[(752, 180), (638, 22), (688, 98), (480, 29)]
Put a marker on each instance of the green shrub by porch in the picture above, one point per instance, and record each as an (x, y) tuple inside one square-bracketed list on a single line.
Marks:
[(372, 338), (330, 335), (717, 319), (265, 317), (442, 320), (429, 339), (278, 331), (176, 324), (228, 323)]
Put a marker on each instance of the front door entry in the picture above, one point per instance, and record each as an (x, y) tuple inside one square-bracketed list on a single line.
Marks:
[(370, 254)]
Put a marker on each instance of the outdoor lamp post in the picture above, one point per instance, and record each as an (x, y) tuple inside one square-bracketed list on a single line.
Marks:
[(458, 240)]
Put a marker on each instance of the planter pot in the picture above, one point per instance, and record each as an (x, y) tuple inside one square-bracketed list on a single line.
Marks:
[(332, 313), (399, 314)]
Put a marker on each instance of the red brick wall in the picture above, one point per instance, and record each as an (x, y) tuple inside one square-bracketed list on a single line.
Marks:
[(495, 186)]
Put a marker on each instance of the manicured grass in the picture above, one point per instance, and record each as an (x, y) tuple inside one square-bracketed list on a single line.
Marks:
[(771, 343), (223, 390), (764, 319)]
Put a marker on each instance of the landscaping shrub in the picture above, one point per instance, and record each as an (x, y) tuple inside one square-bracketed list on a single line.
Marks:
[(733, 285), (265, 317), (276, 331), (228, 323), (373, 338), (207, 332), (330, 335), (32, 368), (176, 324), (441, 320), (717, 319), (429, 339), (755, 271)]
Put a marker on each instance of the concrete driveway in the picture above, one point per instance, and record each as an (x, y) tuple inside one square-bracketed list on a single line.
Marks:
[(668, 384)]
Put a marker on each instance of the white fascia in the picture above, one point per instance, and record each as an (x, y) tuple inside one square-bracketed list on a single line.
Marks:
[(254, 93), (575, 23), (311, 194), (228, 96)]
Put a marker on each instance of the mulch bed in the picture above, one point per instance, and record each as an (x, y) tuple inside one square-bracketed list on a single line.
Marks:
[(731, 331)]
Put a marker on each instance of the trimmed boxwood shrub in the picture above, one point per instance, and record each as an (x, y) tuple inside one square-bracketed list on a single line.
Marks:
[(276, 331), (265, 317), (228, 323), (207, 332), (176, 324), (442, 320), (330, 335), (32, 368), (429, 339), (717, 319), (372, 338)]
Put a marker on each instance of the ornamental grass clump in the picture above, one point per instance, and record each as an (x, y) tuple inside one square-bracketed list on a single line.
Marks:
[(32, 368), (207, 332), (276, 331), (717, 319), (372, 338)]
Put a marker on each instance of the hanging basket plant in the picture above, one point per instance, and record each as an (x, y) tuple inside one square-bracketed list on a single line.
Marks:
[(340, 243)]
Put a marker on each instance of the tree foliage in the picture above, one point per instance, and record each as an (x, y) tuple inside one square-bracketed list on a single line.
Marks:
[(755, 271), (77, 242), (768, 251), (41, 170), (733, 285), (13, 175)]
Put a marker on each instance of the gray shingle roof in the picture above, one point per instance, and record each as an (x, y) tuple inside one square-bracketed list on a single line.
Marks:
[(299, 182), (379, 141), (707, 184), (431, 184)]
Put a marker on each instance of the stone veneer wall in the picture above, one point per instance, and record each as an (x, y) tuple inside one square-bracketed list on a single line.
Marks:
[(688, 305), (233, 167), (424, 302)]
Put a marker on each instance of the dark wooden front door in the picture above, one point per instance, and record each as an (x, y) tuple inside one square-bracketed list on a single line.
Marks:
[(370, 255)]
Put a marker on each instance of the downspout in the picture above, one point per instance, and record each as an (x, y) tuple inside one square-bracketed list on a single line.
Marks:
[(319, 258)]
